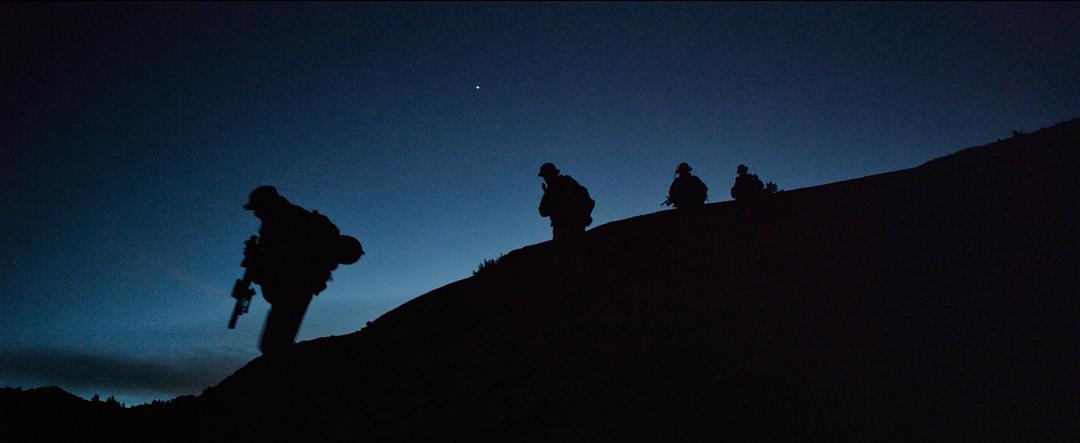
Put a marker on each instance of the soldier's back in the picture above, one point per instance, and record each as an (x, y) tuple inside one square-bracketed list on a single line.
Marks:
[(747, 187), (687, 191)]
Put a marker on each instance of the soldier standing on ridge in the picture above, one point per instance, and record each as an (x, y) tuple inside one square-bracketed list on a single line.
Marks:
[(569, 207), (291, 260), (748, 187), (687, 191)]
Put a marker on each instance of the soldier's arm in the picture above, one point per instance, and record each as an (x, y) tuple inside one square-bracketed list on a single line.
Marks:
[(253, 265), (545, 204)]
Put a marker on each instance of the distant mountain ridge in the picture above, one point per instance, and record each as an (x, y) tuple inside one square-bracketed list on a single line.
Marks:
[(932, 303)]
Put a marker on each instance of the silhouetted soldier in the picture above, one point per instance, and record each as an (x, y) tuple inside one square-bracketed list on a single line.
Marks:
[(748, 187), (687, 191), (569, 207), (291, 260)]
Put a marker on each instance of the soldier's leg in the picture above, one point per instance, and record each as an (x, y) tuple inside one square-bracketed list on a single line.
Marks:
[(562, 238), (569, 250), (577, 252), (283, 321)]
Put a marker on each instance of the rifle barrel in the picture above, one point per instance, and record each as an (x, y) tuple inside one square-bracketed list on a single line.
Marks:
[(235, 314)]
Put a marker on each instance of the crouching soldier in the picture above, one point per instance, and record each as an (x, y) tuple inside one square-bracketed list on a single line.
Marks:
[(687, 191), (748, 187)]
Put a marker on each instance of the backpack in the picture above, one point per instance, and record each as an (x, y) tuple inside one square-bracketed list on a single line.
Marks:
[(748, 187), (698, 192), (567, 200), (584, 203), (322, 241)]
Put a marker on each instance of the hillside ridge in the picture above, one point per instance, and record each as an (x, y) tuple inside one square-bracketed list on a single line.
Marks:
[(933, 302)]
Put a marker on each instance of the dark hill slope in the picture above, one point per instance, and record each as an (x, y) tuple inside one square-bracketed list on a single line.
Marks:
[(50, 413), (930, 303)]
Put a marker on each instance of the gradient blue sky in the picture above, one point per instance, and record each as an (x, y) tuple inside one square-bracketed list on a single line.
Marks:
[(133, 133)]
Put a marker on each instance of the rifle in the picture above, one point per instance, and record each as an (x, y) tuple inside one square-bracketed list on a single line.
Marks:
[(242, 290)]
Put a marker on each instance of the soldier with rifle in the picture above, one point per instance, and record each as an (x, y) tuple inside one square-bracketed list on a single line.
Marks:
[(291, 260), (687, 191)]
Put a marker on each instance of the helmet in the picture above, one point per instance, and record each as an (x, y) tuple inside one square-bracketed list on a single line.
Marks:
[(742, 168), (349, 250), (683, 168), (261, 196), (548, 169)]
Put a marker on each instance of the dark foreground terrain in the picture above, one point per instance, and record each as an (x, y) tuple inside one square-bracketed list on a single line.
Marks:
[(931, 304)]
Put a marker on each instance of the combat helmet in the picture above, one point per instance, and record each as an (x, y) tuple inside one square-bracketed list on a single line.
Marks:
[(548, 169), (262, 196)]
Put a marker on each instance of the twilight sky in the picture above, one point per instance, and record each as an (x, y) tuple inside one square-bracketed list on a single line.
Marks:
[(131, 135)]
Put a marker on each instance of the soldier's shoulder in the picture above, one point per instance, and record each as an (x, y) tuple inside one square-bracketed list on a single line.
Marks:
[(568, 180), (293, 207)]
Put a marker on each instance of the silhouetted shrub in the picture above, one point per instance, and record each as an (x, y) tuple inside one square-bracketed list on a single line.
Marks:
[(772, 189), (487, 265)]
